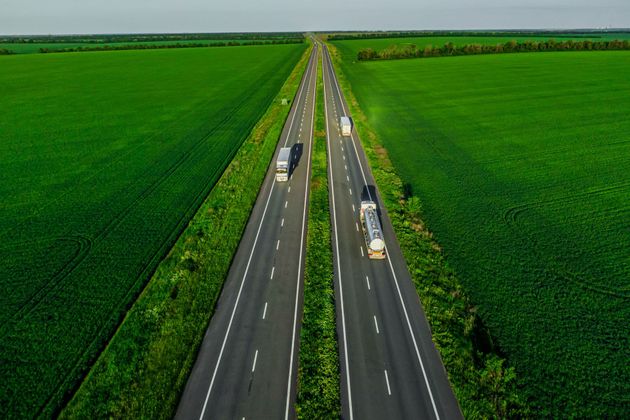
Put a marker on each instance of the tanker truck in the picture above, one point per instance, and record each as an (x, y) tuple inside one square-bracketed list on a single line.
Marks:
[(372, 231)]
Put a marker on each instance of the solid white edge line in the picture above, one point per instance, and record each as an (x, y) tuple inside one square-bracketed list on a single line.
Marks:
[(389, 390), (304, 214), (334, 212), (415, 344), (238, 296), (255, 358)]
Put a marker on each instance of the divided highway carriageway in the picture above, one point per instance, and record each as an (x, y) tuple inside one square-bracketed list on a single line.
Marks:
[(247, 363), (390, 368)]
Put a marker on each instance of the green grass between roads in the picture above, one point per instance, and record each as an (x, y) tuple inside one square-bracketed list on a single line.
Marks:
[(521, 165), (144, 369), (105, 158), (350, 48), (318, 373)]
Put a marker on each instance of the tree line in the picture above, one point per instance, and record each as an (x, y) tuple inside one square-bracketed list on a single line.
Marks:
[(4, 51), (449, 49), (426, 34), (102, 38), (165, 46)]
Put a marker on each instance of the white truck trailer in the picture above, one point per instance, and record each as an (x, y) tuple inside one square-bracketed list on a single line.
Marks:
[(346, 126), (283, 163), (372, 231)]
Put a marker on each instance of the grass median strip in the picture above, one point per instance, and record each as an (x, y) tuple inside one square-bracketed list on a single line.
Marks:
[(484, 385), (318, 373), (143, 370)]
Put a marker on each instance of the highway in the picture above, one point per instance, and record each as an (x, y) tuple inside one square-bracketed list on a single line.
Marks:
[(247, 364), (390, 368)]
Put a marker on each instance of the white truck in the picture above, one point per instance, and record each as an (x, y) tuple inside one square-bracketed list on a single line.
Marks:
[(283, 163), (346, 126), (372, 231)]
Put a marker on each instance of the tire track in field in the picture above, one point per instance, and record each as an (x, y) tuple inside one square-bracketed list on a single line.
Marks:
[(511, 214), (537, 155), (511, 218), (84, 245)]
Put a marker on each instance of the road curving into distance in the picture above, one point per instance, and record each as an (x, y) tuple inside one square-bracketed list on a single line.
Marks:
[(390, 368), (247, 363)]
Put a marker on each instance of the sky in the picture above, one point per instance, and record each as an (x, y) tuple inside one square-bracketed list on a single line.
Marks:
[(159, 16)]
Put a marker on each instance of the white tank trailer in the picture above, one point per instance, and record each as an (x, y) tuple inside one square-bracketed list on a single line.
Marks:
[(372, 231)]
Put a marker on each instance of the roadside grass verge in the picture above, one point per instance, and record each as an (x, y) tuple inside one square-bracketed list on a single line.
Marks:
[(318, 372), (144, 368), (484, 385)]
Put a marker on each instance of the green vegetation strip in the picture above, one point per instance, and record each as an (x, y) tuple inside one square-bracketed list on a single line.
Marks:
[(318, 372), (450, 49), (143, 370), (484, 385), (520, 162)]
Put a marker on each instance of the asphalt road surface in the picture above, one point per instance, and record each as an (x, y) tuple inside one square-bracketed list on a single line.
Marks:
[(247, 364), (390, 368)]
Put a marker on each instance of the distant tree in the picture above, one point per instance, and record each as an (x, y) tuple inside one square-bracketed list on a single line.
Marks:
[(449, 48), (367, 54)]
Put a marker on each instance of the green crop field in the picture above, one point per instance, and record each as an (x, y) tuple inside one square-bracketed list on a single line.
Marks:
[(105, 157), (522, 165)]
